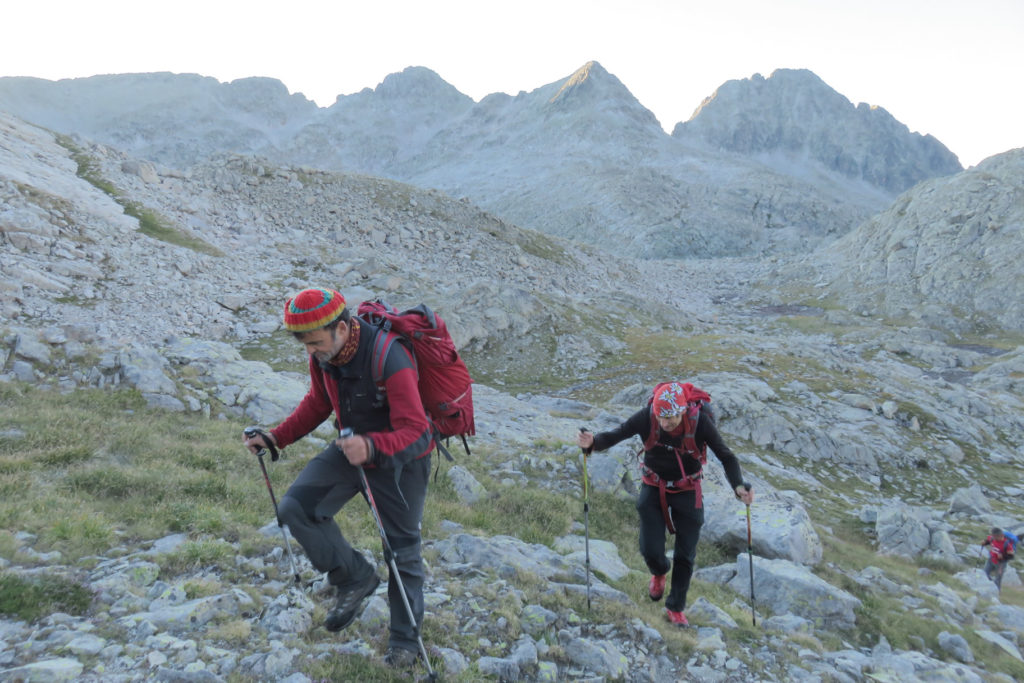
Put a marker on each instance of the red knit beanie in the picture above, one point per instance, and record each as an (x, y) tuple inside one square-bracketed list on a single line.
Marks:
[(312, 309)]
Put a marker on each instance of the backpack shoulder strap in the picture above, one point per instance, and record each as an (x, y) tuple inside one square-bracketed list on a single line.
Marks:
[(691, 417), (381, 347), (652, 433)]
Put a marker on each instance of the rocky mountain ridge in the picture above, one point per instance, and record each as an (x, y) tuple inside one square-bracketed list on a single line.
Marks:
[(579, 157), (949, 245), (832, 411), (794, 113)]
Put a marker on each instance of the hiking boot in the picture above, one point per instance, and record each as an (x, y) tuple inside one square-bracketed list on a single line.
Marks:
[(400, 658), (345, 609), (677, 618), (656, 588)]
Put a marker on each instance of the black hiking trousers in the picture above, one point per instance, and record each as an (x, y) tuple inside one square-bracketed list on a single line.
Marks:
[(320, 491), (687, 519)]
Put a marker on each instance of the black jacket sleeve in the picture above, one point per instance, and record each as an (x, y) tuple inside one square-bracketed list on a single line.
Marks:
[(707, 433), (638, 424)]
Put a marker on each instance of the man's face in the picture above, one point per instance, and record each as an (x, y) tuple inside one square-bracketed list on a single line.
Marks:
[(325, 344), (670, 423)]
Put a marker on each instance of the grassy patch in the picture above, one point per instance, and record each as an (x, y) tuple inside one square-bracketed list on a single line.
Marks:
[(151, 223), (363, 669), (1004, 340), (76, 301), (279, 350), (539, 515), (81, 534), (31, 598), (93, 463), (203, 552), (8, 545), (542, 246), (232, 633), (43, 199)]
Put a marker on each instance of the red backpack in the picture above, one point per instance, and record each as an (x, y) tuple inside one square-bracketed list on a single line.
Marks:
[(445, 386)]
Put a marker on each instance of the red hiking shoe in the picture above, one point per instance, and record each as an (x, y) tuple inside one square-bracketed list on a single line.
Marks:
[(677, 618), (656, 588)]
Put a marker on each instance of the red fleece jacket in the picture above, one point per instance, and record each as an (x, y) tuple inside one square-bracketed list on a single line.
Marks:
[(409, 436)]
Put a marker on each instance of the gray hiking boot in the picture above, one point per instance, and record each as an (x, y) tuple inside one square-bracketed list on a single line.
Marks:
[(348, 603), (400, 658)]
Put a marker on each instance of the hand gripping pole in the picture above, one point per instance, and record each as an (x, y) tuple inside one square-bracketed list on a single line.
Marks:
[(274, 455)]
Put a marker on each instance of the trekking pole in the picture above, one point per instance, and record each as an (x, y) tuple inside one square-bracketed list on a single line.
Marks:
[(389, 557), (274, 455), (586, 515), (750, 556)]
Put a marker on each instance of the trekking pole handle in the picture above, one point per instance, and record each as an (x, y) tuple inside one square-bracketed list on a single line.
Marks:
[(586, 451), (250, 432), (345, 433), (746, 487)]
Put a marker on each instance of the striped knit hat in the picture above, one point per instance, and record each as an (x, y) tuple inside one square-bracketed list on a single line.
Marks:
[(312, 309)]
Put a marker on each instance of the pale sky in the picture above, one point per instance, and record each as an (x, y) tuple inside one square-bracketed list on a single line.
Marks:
[(951, 68)]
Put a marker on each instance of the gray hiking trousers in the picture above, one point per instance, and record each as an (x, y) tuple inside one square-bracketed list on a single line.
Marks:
[(994, 572), (320, 491)]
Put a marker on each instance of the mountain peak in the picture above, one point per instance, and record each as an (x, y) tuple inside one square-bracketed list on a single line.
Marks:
[(417, 82), (782, 84), (591, 93), (588, 77), (795, 113)]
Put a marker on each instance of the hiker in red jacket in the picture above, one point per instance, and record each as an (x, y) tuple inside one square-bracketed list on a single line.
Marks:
[(392, 442), (1002, 546), (676, 426)]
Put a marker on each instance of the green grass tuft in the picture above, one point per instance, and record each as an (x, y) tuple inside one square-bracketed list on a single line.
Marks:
[(31, 599), (151, 224)]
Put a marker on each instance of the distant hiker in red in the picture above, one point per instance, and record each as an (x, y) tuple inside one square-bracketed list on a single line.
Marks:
[(392, 442), (677, 425), (1002, 546)]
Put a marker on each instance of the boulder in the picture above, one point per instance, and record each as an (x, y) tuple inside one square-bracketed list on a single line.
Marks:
[(902, 530), (467, 488), (970, 500), (785, 586), (780, 527)]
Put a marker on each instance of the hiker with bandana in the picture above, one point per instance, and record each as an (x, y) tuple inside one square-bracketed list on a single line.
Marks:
[(676, 427)]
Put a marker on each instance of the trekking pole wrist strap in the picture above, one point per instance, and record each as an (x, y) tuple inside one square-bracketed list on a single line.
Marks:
[(268, 439)]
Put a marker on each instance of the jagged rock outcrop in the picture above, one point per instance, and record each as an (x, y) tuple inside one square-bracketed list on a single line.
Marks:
[(947, 252), (793, 113)]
